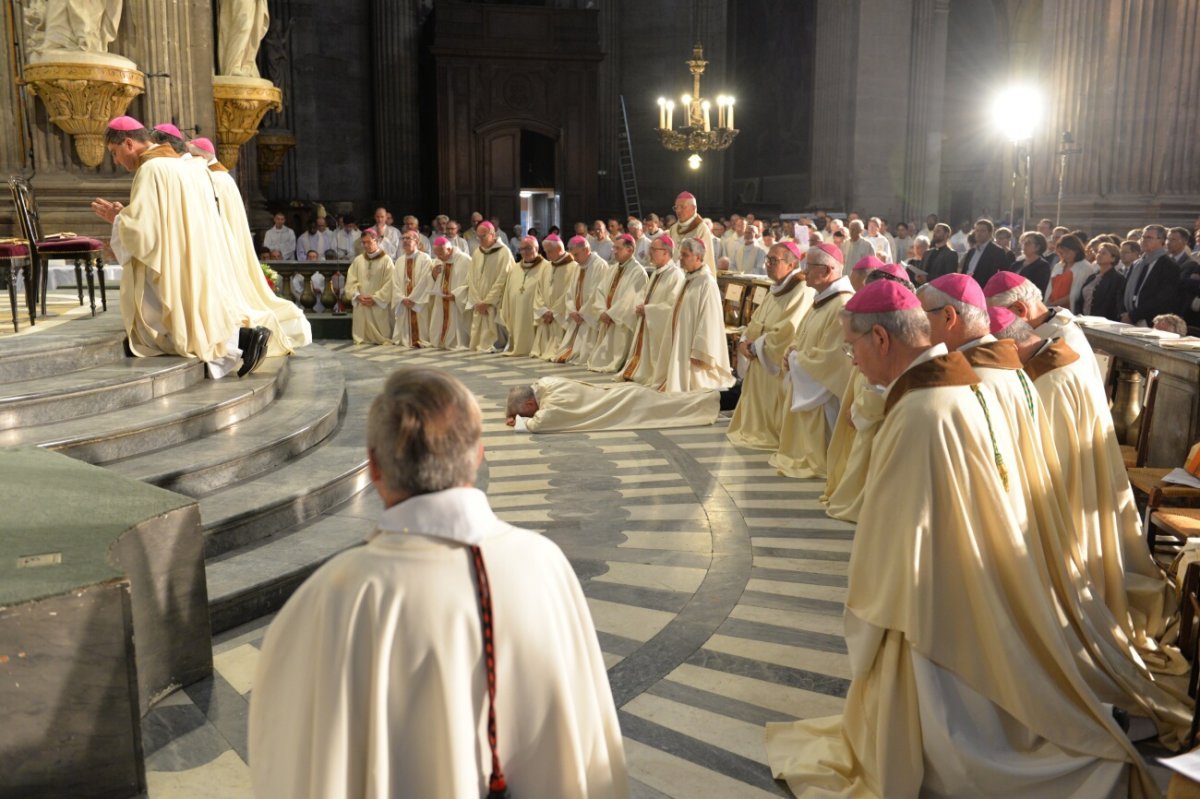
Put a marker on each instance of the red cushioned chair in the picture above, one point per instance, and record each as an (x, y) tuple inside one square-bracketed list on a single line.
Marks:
[(14, 259), (86, 253)]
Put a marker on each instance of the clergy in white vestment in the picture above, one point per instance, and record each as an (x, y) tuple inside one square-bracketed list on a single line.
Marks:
[(761, 349), (751, 254), (369, 286), (520, 297), (168, 239), (280, 238), (964, 682), (345, 239), (411, 223), (651, 348), (691, 225), (550, 303), (641, 242), (601, 241), (699, 355), (485, 287), (880, 242), (583, 316), (413, 283), (292, 328), (1010, 290), (560, 405), (449, 316), (388, 236), (621, 294), (818, 370), (374, 678), (452, 235)]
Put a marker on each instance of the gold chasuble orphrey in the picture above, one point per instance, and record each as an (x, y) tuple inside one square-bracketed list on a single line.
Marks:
[(964, 681), (626, 282), (414, 282), (651, 347), (450, 317)]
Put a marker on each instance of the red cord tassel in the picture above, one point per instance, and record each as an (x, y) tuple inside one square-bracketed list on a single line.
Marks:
[(497, 787)]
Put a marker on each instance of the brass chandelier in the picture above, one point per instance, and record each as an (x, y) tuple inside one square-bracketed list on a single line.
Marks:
[(697, 133)]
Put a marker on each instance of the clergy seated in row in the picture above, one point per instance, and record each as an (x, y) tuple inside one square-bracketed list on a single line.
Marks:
[(698, 358), (280, 239), (818, 370), (345, 239), (750, 256), (374, 677), (1100, 505), (318, 238), (583, 316), (180, 289), (618, 298), (550, 301), (449, 314), (849, 454), (559, 405), (964, 679), (369, 285), (486, 280), (517, 307), (761, 349), (386, 233), (413, 277), (651, 348), (691, 226)]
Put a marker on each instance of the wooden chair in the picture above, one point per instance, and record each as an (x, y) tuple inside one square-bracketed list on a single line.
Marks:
[(1135, 455), (86, 253), (1178, 523), (15, 260)]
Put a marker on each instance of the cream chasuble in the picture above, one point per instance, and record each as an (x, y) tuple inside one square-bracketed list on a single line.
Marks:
[(570, 405), (165, 238), (849, 452), (413, 280), (551, 295), (1102, 513), (372, 276), (520, 298), (651, 348), (1062, 324), (621, 294), (449, 316), (485, 284), (695, 228), (698, 333), (964, 682), (1108, 659), (579, 338), (772, 329), (371, 681), (292, 328), (824, 370)]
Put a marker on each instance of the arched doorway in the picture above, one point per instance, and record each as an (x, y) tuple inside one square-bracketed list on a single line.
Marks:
[(519, 160)]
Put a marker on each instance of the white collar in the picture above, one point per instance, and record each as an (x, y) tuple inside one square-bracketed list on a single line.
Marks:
[(985, 339), (935, 351), (841, 284), (778, 287), (456, 514)]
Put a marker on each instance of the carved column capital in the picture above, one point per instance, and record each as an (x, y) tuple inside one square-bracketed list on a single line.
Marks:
[(82, 97)]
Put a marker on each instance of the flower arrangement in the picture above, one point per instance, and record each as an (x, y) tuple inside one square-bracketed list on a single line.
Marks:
[(272, 277)]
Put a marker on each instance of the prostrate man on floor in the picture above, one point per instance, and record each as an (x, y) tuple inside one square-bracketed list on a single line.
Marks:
[(520, 297), (818, 369), (583, 317), (619, 294), (370, 281), (692, 226), (166, 240), (411, 666), (762, 347), (410, 294), (559, 405), (485, 287), (699, 357), (651, 347), (449, 314), (550, 301), (964, 683)]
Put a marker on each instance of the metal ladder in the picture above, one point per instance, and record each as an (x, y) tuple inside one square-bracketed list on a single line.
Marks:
[(633, 203)]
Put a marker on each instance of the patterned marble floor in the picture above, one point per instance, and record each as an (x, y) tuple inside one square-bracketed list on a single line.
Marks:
[(716, 587)]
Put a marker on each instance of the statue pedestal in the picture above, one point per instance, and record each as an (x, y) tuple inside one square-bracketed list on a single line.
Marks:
[(273, 145), (82, 93), (241, 104)]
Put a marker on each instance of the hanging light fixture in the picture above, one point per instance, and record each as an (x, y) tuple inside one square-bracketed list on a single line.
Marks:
[(697, 134)]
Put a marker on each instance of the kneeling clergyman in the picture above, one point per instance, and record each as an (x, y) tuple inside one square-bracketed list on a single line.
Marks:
[(557, 405), (583, 317), (698, 358), (369, 283), (619, 296), (449, 317), (520, 297), (963, 682), (550, 311), (485, 288), (651, 348), (413, 283)]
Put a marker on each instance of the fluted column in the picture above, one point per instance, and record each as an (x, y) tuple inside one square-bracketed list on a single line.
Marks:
[(926, 109), (394, 53), (834, 83)]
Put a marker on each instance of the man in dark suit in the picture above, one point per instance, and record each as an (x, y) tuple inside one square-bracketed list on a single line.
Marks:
[(939, 258), (1156, 289), (986, 258)]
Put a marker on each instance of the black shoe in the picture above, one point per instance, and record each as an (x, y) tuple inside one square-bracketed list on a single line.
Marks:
[(254, 350), (128, 349)]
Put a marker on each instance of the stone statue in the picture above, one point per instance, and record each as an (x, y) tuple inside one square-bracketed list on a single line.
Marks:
[(241, 25), (71, 26), (278, 54)]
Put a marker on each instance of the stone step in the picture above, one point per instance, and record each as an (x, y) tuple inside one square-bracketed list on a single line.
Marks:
[(304, 488), (301, 418), (45, 351), (96, 390), (198, 410)]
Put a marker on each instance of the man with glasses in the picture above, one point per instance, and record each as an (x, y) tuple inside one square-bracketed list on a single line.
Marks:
[(1155, 287), (818, 370), (699, 356), (651, 347), (618, 300), (691, 225), (583, 318), (772, 328)]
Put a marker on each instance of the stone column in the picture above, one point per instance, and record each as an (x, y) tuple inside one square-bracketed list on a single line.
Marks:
[(926, 110), (834, 85), (395, 44)]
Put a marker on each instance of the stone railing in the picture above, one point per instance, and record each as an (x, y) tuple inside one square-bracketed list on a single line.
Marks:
[(326, 300)]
